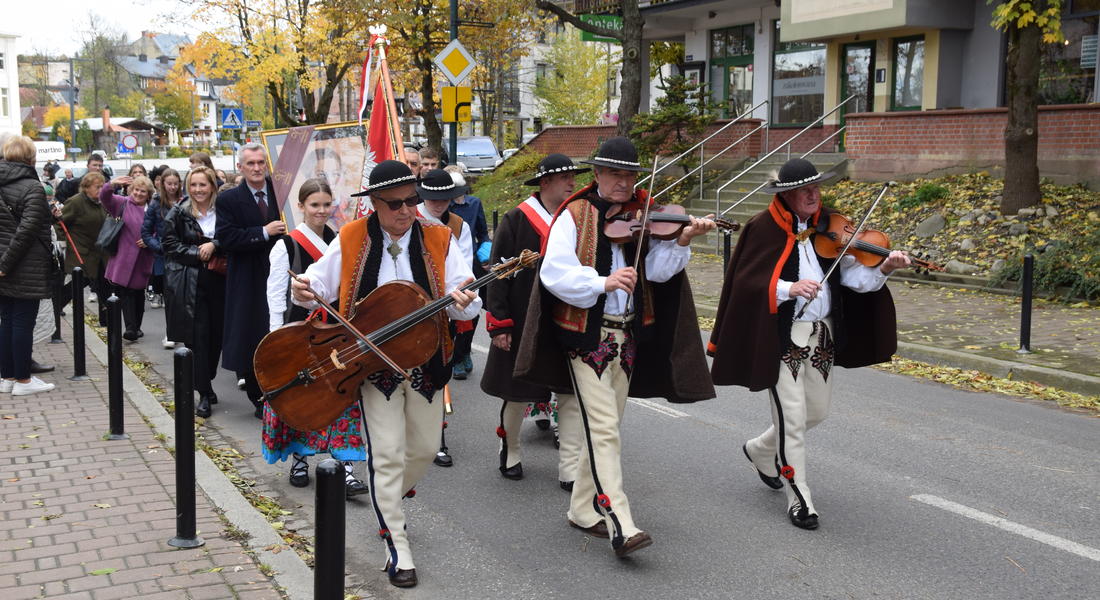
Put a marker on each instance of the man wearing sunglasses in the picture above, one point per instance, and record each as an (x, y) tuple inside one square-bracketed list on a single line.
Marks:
[(402, 419)]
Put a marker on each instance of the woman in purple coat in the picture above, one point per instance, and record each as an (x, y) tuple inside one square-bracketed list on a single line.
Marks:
[(129, 269)]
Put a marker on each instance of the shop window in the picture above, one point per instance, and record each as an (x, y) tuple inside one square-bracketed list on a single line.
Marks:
[(798, 82), (1067, 71), (731, 42), (908, 88)]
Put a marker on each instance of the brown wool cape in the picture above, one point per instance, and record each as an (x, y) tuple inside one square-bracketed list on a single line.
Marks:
[(751, 331), (670, 362)]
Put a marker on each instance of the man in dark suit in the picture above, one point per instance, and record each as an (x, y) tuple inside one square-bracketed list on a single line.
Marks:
[(248, 224)]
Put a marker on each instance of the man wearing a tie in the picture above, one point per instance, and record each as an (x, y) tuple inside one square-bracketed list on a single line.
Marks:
[(248, 224)]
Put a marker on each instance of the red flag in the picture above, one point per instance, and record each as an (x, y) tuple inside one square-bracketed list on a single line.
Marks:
[(378, 138)]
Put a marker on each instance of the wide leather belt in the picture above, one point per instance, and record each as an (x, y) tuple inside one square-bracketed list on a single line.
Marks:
[(617, 321)]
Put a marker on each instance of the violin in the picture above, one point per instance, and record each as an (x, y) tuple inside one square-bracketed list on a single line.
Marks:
[(664, 222), (310, 371), (870, 247)]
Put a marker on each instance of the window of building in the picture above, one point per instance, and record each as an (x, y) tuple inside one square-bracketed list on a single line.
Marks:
[(3, 102), (908, 88), (731, 67), (1067, 71), (1, 60), (731, 42), (798, 82), (1083, 7), (540, 71)]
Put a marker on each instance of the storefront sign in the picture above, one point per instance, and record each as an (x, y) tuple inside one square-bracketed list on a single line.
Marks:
[(799, 86)]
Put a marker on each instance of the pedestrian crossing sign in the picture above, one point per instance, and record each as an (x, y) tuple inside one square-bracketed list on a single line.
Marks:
[(232, 118)]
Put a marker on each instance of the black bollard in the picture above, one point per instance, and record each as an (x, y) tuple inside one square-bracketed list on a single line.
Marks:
[(58, 306), (328, 565), (114, 367), (496, 214), (80, 369), (726, 237), (186, 536), (1025, 305)]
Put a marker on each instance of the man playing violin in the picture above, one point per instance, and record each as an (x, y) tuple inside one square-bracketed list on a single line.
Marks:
[(780, 329), (401, 418), (623, 329)]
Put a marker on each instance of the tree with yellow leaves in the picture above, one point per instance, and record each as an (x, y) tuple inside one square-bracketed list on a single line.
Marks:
[(57, 117), (296, 52), (1028, 23)]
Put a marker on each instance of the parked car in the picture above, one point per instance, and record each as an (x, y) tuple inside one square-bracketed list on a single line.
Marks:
[(477, 153)]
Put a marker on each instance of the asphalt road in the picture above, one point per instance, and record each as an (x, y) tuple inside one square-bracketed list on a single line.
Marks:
[(924, 491)]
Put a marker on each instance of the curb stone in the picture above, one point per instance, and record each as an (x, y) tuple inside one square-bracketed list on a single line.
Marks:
[(291, 572)]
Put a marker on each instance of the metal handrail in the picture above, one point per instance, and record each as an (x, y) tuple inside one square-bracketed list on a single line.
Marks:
[(707, 162), (718, 192), (699, 145)]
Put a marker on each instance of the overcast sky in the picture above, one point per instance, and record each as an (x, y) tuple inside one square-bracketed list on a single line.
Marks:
[(57, 26)]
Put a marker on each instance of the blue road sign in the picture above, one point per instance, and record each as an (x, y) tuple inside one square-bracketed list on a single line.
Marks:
[(253, 124), (232, 118), (123, 149)]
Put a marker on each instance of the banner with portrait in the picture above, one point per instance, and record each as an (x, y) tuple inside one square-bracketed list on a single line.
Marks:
[(335, 152)]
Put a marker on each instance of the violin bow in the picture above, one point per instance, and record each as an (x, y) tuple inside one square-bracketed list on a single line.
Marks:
[(641, 234), (851, 239), (351, 328)]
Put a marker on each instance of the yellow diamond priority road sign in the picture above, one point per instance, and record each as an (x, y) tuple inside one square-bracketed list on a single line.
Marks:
[(455, 62)]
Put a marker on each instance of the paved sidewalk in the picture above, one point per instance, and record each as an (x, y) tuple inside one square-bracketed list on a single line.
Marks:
[(86, 518)]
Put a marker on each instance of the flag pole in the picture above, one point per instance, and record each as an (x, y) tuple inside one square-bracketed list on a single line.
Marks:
[(391, 107)]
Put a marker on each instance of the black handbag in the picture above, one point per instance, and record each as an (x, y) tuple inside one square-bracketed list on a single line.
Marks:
[(107, 240)]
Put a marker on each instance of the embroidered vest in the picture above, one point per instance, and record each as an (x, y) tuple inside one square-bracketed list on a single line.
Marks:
[(580, 327), (361, 247)]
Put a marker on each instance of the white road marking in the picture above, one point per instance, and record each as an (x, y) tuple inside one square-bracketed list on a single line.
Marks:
[(661, 408), (664, 410), (1009, 526)]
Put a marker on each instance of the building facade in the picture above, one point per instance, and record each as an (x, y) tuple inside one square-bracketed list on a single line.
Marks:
[(9, 85)]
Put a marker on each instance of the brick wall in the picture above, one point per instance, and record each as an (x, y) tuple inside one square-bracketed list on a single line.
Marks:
[(892, 145)]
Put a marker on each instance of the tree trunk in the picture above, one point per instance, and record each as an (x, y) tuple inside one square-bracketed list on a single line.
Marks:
[(1022, 131), (432, 128), (630, 90)]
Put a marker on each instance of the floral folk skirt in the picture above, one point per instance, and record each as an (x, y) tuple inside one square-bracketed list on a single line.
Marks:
[(342, 439)]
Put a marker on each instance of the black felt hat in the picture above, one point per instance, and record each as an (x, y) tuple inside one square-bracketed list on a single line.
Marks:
[(617, 153), (437, 185), (554, 163), (388, 174), (796, 173)]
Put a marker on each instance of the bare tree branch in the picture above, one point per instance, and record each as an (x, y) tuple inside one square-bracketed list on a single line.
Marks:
[(568, 17)]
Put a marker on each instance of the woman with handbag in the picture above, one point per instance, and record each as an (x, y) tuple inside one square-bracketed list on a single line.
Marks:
[(194, 281), (83, 215), (300, 248), (26, 264), (132, 262)]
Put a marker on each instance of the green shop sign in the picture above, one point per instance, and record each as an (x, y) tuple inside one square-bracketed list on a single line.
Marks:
[(614, 22)]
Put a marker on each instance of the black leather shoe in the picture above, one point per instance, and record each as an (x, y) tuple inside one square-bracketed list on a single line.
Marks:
[(514, 472), (598, 530), (213, 398), (566, 485), (299, 472), (774, 483), (203, 409), (130, 336), (354, 487), (442, 459), (37, 367), (403, 578), (801, 518), (636, 542)]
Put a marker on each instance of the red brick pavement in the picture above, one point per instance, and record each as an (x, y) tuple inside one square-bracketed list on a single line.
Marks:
[(86, 518)]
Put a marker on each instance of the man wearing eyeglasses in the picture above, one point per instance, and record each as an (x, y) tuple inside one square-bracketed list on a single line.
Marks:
[(402, 418)]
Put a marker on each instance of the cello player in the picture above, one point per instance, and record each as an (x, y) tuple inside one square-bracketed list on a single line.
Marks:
[(401, 418)]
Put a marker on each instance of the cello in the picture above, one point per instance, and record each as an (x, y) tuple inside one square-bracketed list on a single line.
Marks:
[(310, 371)]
